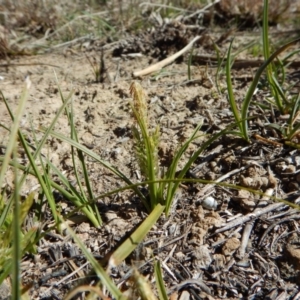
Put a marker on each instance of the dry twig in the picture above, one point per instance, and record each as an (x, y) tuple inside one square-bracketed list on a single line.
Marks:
[(158, 66), (253, 215)]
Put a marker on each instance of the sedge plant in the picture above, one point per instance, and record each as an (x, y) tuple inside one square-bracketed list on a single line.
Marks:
[(163, 186), (146, 147), (241, 115)]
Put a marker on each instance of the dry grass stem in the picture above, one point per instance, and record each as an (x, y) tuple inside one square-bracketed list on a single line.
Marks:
[(158, 66)]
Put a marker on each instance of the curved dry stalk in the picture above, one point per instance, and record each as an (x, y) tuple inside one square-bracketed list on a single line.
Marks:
[(166, 61)]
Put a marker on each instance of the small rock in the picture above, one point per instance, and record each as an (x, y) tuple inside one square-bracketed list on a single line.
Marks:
[(180, 256), (84, 227), (230, 246), (202, 257), (209, 203)]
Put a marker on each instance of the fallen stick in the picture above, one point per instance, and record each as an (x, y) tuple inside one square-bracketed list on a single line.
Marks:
[(250, 216), (158, 66)]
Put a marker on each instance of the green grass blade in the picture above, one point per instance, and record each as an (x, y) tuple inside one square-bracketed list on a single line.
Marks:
[(160, 282), (278, 127), (88, 152), (105, 279), (245, 47), (35, 169), (295, 109), (266, 51), (39, 147), (150, 164), (280, 69), (171, 190), (92, 208), (75, 167), (40, 177), (75, 197), (43, 181), (231, 98), (46, 175), (8, 207), (44, 138), (16, 254), (52, 124), (266, 48), (197, 153), (72, 196), (97, 158), (14, 129), (280, 92), (254, 83), (31, 157), (66, 194), (219, 64), (70, 116), (136, 237), (285, 60)]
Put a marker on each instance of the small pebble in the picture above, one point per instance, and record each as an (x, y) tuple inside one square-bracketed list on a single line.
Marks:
[(209, 203)]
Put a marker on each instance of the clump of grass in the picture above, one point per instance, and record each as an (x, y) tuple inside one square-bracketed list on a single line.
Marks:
[(163, 186), (96, 67), (44, 176), (146, 144), (241, 116)]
